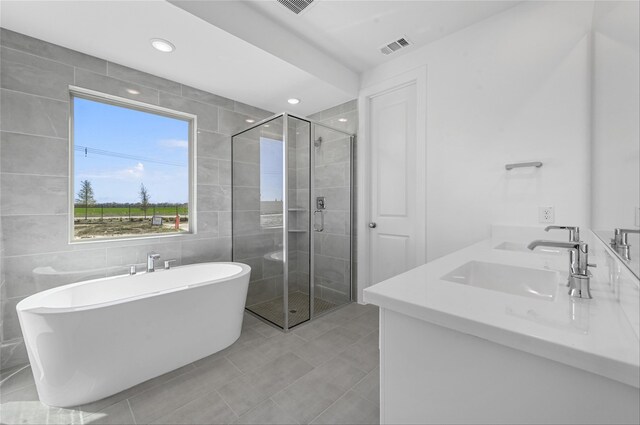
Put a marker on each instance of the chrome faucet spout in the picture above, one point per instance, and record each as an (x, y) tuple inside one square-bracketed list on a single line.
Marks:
[(574, 231), (151, 257)]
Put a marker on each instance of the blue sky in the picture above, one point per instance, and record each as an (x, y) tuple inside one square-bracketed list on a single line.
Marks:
[(270, 169), (144, 136)]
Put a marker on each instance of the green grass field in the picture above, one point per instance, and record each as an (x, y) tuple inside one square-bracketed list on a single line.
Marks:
[(79, 212)]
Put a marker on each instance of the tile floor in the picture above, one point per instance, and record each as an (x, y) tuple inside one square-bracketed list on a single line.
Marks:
[(298, 303), (324, 372)]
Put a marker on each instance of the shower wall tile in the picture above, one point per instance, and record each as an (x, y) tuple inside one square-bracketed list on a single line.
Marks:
[(206, 250), (34, 75), (245, 109), (246, 223), (47, 50), (208, 172), (233, 122), (28, 154), (134, 76), (35, 252), (256, 245), (206, 97), (208, 223), (17, 112), (331, 175), (247, 175), (207, 114), (246, 149), (94, 81), (246, 198), (28, 194), (213, 145)]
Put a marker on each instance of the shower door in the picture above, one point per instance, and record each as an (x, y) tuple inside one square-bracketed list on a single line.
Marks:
[(332, 218), (270, 217)]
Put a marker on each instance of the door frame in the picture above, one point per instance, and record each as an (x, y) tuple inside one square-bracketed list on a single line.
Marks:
[(417, 76)]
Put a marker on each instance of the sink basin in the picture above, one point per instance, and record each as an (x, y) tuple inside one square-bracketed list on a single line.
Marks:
[(525, 282), (543, 250)]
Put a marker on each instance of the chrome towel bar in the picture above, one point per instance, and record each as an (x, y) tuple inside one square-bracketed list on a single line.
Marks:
[(536, 164)]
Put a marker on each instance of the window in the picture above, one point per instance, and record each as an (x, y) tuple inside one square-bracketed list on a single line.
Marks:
[(132, 172), (271, 178)]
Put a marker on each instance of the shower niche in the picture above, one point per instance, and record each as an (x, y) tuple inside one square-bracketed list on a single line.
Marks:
[(292, 217)]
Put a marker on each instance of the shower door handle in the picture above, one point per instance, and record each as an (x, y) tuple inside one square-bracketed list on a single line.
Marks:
[(315, 221)]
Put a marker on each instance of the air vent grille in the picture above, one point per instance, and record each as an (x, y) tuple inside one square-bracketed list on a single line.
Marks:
[(296, 6), (394, 46)]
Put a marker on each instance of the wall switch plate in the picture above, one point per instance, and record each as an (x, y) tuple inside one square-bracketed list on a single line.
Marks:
[(637, 222), (546, 215)]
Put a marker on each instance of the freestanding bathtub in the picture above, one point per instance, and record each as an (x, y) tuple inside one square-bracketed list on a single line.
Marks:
[(89, 340)]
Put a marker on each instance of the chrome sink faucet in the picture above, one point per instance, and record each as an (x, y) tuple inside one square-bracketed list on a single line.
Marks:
[(620, 243), (574, 231), (151, 258), (578, 274)]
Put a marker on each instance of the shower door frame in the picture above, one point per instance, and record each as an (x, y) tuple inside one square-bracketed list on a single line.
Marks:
[(285, 213)]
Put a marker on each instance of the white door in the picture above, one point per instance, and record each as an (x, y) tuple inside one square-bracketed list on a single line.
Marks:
[(395, 226)]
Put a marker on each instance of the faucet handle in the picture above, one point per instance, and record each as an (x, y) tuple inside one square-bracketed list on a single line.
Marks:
[(167, 264), (132, 269)]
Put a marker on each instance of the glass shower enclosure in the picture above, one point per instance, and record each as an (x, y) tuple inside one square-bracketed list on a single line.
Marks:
[(292, 217)]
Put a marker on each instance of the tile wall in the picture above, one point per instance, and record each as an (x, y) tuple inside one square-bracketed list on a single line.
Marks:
[(34, 102)]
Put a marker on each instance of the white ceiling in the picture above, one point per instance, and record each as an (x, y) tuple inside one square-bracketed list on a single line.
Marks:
[(353, 30), (256, 52)]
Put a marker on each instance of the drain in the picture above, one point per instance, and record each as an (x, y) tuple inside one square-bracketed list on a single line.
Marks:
[(293, 311)]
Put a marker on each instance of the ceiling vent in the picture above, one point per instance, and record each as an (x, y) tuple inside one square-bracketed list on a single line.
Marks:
[(296, 6), (394, 46)]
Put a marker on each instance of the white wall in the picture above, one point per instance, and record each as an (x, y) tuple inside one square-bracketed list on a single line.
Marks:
[(512, 88), (616, 112)]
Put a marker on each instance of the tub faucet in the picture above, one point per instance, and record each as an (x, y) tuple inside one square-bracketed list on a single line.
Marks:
[(151, 257), (578, 273), (620, 242)]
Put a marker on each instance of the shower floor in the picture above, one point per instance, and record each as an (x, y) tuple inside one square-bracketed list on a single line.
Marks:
[(298, 309)]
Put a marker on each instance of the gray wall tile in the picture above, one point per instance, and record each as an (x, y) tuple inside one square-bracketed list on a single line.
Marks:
[(252, 111), (27, 194), (207, 114), (129, 74), (214, 145), (47, 50), (206, 250), (210, 98), (34, 75), (31, 234), (34, 154), (104, 84), (18, 112)]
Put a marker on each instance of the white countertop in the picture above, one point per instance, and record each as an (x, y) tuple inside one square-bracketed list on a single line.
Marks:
[(595, 335)]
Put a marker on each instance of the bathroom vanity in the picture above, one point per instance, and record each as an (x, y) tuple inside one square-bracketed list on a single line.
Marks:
[(489, 334)]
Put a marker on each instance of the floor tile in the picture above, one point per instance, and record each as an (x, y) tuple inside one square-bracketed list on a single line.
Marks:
[(164, 399), (118, 413), (326, 346), (266, 413), (15, 379), (350, 409), (207, 409), (369, 387)]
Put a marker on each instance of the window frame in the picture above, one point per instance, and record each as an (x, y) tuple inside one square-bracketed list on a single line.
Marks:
[(192, 119)]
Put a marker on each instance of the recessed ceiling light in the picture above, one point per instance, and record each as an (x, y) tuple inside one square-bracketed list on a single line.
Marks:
[(266, 125), (293, 101), (250, 120), (342, 119), (132, 91), (162, 45)]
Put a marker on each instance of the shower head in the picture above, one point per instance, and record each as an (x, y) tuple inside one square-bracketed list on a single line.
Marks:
[(317, 142)]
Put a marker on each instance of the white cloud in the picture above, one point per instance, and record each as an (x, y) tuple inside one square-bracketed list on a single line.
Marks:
[(130, 173), (174, 144)]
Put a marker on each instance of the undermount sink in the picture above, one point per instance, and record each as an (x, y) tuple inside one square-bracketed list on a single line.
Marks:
[(514, 246), (525, 282)]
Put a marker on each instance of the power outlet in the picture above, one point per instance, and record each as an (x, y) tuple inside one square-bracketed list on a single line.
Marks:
[(637, 222), (546, 215)]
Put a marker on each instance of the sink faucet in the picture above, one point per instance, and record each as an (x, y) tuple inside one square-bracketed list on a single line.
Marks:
[(151, 257), (578, 274), (574, 231), (620, 243)]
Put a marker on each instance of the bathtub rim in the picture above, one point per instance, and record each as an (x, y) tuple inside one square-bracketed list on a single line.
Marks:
[(22, 306)]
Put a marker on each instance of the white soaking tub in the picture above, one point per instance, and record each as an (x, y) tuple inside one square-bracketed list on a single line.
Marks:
[(89, 340)]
